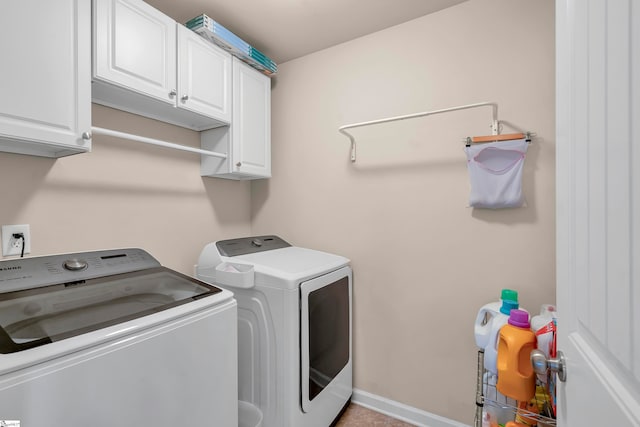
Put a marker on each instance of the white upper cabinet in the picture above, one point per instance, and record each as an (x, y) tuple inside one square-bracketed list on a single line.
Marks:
[(45, 89), (147, 64), (204, 77), (135, 48), (247, 142), (252, 121)]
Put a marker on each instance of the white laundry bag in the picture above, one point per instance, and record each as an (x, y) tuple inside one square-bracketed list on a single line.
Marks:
[(495, 172)]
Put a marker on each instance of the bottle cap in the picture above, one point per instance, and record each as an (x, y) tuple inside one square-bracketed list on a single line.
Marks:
[(547, 308), (509, 294), (519, 318), (507, 306)]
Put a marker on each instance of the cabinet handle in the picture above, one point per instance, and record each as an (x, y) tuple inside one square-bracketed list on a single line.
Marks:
[(86, 136), (172, 93), (239, 164), (184, 98)]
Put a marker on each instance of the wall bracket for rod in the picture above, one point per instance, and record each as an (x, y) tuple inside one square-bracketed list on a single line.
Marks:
[(495, 125)]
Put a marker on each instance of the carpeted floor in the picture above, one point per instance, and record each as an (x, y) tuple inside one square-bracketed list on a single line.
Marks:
[(359, 416)]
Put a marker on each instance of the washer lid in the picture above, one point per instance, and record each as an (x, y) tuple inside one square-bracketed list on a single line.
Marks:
[(35, 317), (289, 265)]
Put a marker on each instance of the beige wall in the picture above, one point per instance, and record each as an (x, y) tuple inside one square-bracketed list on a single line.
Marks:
[(124, 194), (424, 262)]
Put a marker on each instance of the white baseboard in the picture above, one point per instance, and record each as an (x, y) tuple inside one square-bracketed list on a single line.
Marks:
[(401, 411)]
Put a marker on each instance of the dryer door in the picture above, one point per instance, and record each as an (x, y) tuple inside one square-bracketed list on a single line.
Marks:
[(325, 338)]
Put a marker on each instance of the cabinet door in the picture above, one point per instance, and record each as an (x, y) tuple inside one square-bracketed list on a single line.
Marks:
[(204, 76), (45, 101), (135, 47), (251, 127)]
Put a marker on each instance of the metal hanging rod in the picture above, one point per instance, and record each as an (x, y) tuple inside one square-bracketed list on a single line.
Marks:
[(152, 141), (494, 123)]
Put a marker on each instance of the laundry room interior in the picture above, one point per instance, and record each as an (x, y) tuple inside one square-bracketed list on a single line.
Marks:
[(423, 260)]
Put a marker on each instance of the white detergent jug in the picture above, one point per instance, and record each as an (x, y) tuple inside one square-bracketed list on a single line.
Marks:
[(486, 315), (544, 326), (499, 320)]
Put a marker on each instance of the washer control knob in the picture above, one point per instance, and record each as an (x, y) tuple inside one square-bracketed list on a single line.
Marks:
[(256, 242), (75, 264)]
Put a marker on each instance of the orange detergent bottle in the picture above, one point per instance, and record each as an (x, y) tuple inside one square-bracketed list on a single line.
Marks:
[(516, 378)]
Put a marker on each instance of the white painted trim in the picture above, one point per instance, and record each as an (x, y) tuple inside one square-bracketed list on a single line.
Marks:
[(401, 411)]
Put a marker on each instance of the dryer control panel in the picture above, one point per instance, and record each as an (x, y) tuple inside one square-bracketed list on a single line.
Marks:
[(250, 245)]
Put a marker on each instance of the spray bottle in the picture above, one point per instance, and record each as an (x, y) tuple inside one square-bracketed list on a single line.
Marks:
[(544, 326)]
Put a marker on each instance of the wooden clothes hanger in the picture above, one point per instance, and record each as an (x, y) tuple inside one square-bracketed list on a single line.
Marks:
[(494, 138), (497, 138)]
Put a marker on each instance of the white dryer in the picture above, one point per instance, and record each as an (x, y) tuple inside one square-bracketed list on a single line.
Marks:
[(294, 327)]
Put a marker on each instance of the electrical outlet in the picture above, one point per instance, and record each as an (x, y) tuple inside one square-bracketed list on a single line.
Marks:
[(12, 245)]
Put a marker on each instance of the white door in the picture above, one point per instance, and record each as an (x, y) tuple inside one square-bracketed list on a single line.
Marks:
[(135, 47), (204, 76), (598, 213), (251, 126)]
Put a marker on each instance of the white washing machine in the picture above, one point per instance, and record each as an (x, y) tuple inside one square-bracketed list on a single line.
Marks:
[(294, 327), (112, 338)]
